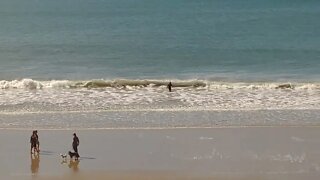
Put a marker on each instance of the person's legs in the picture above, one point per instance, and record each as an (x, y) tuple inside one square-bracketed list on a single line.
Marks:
[(75, 148), (33, 147), (38, 146)]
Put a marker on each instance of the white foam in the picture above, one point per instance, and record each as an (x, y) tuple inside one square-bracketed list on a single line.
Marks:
[(64, 95), (22, 84), (292, 158)]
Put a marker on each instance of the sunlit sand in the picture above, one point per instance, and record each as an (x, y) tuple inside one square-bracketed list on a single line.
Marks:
[(210, 153)]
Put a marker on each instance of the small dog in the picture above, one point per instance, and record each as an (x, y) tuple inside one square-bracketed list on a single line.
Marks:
[(63, 156), (73, 155)]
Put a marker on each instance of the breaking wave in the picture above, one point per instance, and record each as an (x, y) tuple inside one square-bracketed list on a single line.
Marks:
[(123, 83), (34, 96)]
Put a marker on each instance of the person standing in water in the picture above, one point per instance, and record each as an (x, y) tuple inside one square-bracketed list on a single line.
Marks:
[(169, 86), (75, 143)]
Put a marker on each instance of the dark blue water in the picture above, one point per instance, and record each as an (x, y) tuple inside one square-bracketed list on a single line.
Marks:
[(228, 40)]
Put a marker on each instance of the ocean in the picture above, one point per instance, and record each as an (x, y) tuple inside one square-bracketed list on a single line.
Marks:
[(76, 64)]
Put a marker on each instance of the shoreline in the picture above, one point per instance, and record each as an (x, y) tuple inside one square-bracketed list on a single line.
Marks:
[(162, 120)]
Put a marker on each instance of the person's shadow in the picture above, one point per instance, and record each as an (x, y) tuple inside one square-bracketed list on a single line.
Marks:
[(35, 162), (73, 164)]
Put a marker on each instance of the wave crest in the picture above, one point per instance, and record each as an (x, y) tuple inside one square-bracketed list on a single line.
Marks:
[(22, 84), (121, 83)]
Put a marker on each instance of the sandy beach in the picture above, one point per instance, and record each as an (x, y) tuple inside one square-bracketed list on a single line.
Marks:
[(190, 153)]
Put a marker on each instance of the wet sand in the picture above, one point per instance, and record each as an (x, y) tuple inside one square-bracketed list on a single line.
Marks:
[(191, 153)]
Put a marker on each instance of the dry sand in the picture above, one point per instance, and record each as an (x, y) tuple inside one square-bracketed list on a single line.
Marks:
[(191, 153)]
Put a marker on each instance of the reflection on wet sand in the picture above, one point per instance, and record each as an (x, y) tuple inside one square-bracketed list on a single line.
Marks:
[(35, 162), (74, 165)]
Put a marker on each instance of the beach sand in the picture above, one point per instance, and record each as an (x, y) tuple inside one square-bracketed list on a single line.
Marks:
[(190, 153)]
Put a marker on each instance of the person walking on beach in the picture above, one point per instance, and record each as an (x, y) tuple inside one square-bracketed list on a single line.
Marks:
[(169, 86), (33, 142), (75, 143)]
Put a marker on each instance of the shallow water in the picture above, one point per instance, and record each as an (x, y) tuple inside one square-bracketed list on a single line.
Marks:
[(161, 119)]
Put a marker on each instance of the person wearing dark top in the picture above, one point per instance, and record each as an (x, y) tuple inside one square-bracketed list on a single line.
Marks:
[(169, 86), (33, 142), (75, 143)]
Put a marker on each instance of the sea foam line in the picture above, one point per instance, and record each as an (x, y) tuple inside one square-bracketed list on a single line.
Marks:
[(121, 83)]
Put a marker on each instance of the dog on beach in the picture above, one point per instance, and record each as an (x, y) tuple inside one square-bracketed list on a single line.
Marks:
[(73, 155), (63, 156)]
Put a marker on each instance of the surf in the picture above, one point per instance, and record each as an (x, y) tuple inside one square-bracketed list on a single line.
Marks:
[(154, 83)]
